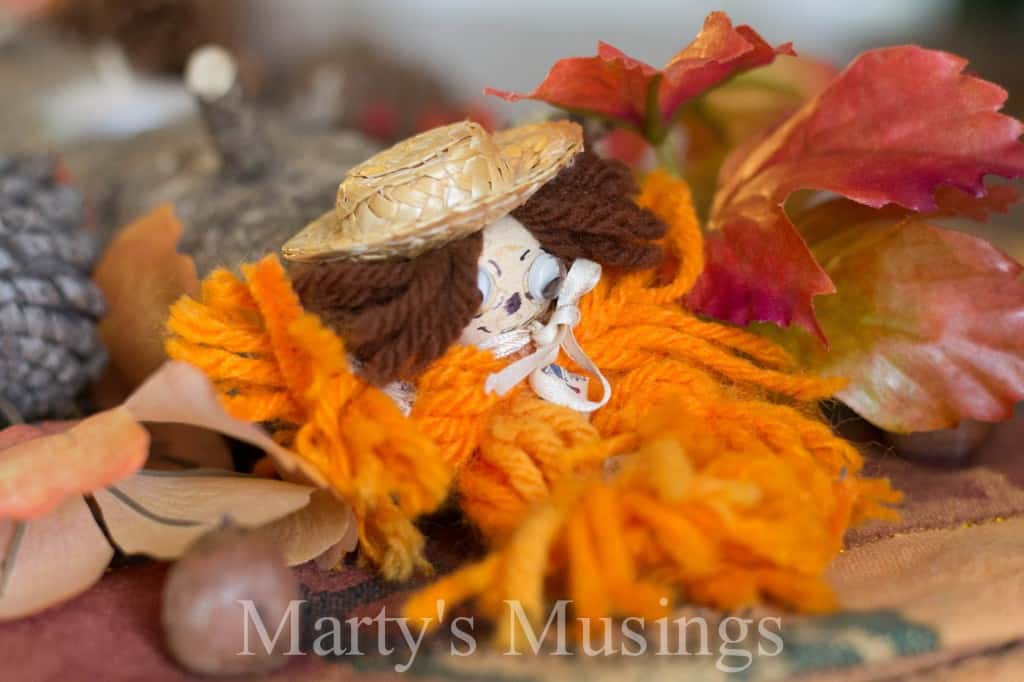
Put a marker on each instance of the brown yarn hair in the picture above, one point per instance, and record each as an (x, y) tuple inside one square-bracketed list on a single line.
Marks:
[(588, 211), (397, 316)]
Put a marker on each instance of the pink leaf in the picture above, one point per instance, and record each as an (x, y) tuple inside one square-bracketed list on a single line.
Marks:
[(178, 393), (160, 513), (38, 472), (51, 559)]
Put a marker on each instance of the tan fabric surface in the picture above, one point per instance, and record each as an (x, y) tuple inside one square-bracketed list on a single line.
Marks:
[(967, 582)]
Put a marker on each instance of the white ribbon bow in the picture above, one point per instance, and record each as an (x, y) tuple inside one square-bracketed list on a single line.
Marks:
[(549, 339)]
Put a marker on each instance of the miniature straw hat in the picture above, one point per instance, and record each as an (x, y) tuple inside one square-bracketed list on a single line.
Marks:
[(434, 188)]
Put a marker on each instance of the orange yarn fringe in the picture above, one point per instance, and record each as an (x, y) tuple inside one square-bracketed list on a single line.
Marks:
[(270, 362), (731, 488)]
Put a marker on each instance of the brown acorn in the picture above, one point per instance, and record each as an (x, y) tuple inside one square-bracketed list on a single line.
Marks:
[(204, 619), (946, 445)]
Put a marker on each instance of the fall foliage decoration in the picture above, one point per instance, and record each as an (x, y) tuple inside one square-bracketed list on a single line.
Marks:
[(615, 86), (792, 216), (895, 132)]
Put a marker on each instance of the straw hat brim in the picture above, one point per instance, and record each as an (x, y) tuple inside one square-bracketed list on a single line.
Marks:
[(534, 154)]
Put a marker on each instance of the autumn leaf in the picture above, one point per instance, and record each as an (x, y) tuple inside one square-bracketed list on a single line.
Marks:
[(928, 323), (38, 471), (178, 393), (324, 530), (761, 98), (741, 112), (161, 513), (141, 274), (613, 85), (896, 125), (50, 546), (50, 559)]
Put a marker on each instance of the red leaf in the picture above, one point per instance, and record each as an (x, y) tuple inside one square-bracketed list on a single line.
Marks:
[(997, 199), (758, 274), (718, 52), (614, 85), (627, 146), (893, 127), (928, 324), (610, 84)]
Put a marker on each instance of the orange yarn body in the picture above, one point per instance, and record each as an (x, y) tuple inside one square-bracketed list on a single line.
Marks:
[(732, 489)]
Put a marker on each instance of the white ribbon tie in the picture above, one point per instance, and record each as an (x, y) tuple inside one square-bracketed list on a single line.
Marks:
[(549, 339)]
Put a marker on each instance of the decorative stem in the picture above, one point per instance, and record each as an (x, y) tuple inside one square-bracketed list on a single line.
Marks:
[(212, 77), (667, 156)]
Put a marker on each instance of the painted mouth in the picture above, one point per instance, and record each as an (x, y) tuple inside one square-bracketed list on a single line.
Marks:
[(512, 303)]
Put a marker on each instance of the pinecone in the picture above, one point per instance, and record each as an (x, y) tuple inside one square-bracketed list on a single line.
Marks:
[(49, 345)]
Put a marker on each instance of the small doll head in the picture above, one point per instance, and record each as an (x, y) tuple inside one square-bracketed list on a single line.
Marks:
[(457, 236), (516, 278)]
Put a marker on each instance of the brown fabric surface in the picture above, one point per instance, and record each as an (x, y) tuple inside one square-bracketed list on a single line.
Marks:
[(967, 583), (989, 485), (112, 632)]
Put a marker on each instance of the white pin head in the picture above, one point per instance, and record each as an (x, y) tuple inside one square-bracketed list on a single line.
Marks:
[(211, 72)]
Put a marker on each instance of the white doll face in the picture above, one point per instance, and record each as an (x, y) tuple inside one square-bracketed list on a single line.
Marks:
[(518, 281)]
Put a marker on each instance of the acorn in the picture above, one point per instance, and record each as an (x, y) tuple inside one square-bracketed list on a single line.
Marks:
[(206, 623), (945, 445)]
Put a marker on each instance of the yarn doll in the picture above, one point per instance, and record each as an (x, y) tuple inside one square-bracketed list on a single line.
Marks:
[(504, 312), (400, 292)]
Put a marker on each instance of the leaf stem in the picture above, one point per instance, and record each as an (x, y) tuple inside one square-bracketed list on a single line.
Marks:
[(11, 555), (667, 156), (9, 412), (654, 129)]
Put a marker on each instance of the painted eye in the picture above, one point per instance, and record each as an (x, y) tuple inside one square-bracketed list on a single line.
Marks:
[(485, 283), (545, 277)]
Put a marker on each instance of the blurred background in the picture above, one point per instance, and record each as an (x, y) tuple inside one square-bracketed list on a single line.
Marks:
[(78, 75)]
